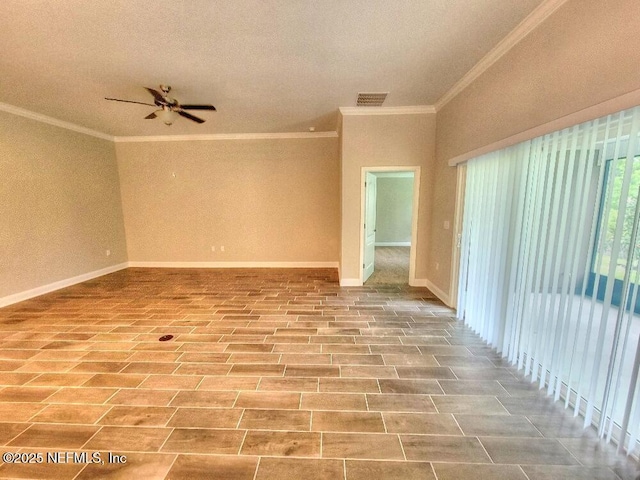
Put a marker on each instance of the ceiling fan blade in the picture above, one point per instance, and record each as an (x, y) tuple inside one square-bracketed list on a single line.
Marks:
[(150, 116), (157, 96), (189, 116), (198, 107), (128, 101)]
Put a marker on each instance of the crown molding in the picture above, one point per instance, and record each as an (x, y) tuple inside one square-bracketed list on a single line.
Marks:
[(410, 110), (38, 117), (532, 21), (225, 136)]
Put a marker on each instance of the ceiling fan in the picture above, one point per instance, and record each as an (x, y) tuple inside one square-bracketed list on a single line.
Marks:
[(168, 107)]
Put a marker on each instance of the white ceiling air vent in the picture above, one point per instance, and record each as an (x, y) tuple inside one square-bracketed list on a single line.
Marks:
[(371, 99)]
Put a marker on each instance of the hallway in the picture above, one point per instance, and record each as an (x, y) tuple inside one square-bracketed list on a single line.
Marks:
[(391, 266)]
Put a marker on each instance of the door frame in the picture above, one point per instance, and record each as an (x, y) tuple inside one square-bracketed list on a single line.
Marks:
[(461, 184), (414, 215)]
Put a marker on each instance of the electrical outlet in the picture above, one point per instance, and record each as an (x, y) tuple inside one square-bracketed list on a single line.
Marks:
[(213, 248), (108, 253), (222, 248), (446, 225), (437, 266)]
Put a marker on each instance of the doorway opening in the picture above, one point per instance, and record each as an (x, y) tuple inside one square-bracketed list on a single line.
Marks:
[(389, 220)]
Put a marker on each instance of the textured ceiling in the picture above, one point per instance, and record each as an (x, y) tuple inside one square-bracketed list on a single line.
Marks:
[(267, 65)]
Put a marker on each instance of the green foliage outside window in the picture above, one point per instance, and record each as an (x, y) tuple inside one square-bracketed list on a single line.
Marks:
[(614, 182)]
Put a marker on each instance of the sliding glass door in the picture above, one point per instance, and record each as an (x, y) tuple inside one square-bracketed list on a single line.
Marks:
[(602, 258), (549, 265)]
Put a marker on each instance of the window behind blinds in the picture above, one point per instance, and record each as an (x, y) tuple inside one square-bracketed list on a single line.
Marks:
[(549, 267)]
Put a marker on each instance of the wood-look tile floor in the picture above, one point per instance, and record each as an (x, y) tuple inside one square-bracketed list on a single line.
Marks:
[(272, 374)]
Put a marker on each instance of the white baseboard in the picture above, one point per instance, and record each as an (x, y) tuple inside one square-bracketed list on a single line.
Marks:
[(393, 244), (234, 264), (350, 282), (35, 292), (425, 282)]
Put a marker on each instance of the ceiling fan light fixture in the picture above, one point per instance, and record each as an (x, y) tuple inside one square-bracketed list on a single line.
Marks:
[(169, 108), (168, 116)]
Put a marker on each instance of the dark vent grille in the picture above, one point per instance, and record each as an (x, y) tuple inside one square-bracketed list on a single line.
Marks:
[(371, 99)]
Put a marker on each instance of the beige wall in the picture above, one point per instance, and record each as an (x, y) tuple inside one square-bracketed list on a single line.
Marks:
[(582, 55), (291, 200), (393, 209), (264, 200), (60, 205), (378, 141)]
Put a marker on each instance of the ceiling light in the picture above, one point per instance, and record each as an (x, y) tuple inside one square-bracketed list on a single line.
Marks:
[(168, 116)]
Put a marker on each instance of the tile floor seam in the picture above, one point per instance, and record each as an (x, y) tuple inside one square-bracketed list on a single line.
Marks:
[(482, 445), (436, 405), (173, 462), (433, 470), (404, 455), (79, 472), (240, 418), (542, 435), (166, 424), (523, 472), (18, 434), (257, 386), (559, 440), (255, 473), (168, 437), (502, 404), (91, 437), (244, 437), (44, 407)]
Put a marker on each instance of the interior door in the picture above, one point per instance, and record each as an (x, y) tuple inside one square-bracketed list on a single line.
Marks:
[(369, 225)]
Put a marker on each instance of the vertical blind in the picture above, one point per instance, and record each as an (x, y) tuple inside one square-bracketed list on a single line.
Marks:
[(549, 266)]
